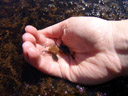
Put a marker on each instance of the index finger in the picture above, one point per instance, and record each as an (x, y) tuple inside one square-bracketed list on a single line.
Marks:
[(54, 31)]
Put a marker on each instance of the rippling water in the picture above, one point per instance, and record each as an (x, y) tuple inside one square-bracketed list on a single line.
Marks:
[(18, 78)]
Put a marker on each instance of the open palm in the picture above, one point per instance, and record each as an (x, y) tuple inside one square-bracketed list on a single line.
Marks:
[(90, 40)]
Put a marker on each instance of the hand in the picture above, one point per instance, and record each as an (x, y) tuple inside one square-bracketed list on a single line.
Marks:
[(89, 38)]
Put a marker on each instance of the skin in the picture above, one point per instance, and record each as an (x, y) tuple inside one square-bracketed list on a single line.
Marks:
[(95, 43)]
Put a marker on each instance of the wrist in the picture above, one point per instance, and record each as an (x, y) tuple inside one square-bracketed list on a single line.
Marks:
[(120, 38)]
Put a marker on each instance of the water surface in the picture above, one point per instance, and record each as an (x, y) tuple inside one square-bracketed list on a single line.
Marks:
[(17, 77)]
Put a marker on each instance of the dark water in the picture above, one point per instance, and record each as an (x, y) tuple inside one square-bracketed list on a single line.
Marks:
[(18, 78)]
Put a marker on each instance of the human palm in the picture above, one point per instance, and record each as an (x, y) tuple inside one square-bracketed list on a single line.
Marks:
[(92, 58)]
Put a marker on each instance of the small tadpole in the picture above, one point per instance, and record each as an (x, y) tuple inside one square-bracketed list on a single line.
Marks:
[(64, 49), (54, 57), (54, 50)]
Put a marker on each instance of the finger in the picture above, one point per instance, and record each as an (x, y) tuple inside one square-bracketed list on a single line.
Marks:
[(29, 37), (45, 41), (32, 30), (40, 39), (34, 56), (26, 45), (54, 31)]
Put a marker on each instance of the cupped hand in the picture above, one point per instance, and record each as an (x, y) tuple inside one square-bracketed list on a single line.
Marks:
[(90, 39)]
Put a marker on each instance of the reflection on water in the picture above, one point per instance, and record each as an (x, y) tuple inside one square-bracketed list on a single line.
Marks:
[(18, 78)]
